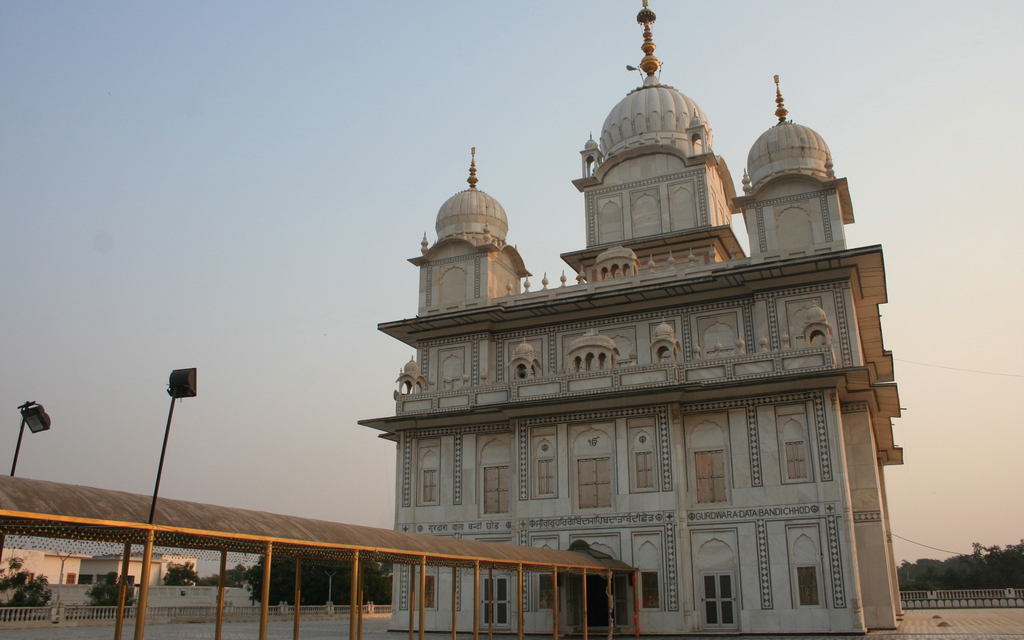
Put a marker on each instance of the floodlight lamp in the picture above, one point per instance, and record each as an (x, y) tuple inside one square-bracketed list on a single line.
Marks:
[(35, 417), (182, 383)]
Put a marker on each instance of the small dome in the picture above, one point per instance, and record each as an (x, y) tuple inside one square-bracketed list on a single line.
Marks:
[(651, 114), (615, 252), (787, 148), (593, 339), (815, 314), (664, 330), (470, 211), (591, 144), (524, 350), (412, 368)]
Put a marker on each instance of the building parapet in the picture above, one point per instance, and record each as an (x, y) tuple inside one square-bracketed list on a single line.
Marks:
[(629, 377)]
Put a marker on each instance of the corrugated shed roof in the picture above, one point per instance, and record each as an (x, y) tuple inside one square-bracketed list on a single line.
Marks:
[(34, 507)]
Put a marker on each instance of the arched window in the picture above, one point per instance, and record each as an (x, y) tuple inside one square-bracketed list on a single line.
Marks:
[(521, 372)]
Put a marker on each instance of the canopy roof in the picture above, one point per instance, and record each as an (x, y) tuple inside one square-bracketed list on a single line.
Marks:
[(54, 510)]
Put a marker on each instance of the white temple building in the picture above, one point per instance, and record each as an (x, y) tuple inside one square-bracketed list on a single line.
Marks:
[(714, 417)]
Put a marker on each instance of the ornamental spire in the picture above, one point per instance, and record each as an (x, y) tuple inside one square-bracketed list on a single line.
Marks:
[(649, 64), (472, 180), (780, 112)]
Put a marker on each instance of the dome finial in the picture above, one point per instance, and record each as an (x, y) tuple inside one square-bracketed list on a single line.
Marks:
[(781, 112), (472, 180), (649, 64)]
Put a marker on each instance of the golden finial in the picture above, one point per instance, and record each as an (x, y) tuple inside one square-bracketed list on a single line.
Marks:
[(781, 112), (649, 64), (472, 180)]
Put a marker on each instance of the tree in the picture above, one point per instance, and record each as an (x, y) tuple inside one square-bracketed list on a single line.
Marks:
[(181, 575), (21, 587), (233, 578), (104, 593), (992, 567), (315, 582)]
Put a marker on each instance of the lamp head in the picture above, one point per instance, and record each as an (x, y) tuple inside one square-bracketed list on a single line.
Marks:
[(35, 417), (182, 383)]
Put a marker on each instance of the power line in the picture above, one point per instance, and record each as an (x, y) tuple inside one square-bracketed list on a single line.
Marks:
[(939, 366), (955, 553)]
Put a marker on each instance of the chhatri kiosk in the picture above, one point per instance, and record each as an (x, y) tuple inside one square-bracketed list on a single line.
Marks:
[(714, 418)]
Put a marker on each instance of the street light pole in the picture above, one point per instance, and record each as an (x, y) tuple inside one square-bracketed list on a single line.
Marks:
[(35, 417), (330, 585), (182, 384)]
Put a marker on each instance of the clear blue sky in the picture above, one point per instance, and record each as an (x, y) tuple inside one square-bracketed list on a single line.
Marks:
[(236, 186)]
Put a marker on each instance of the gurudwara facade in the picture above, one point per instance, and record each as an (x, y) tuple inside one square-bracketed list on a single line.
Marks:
[(717, 419)]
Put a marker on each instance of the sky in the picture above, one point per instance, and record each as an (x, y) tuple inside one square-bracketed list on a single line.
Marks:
[(237, 186)]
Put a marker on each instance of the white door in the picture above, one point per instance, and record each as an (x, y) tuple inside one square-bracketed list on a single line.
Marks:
[(719, 600), (496, 600)]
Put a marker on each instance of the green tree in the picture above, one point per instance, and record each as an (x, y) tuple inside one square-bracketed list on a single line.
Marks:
[(991, 567), (21, 588), (181, 575), (104, 593), (233, 578), (315, 582)]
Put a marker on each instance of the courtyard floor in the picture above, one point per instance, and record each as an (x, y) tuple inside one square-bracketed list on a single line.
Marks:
[(963, 624)]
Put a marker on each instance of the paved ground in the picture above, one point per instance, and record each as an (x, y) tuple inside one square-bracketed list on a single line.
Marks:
[(961, 624)]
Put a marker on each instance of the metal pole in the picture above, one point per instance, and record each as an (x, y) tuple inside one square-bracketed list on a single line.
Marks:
[(353, 598), (359, 629), (489, 592), (268, 558), (611, 605), (586, 623), (423, 595), (637, 586), (455, 599), (221, 583), (412, 601), (330, 585), (147, 562), (17, 449), (476, 600), (298, 598), (554, 586), (122, 590), (519, 602), (163, 452)]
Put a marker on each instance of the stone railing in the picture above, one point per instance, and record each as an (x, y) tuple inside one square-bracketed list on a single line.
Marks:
[(963, 599), (20, 617), (705, 371), (24, 614)]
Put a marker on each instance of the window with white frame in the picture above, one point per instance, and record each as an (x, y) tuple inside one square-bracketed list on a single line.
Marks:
[(496, 489), (642, 459), (545, 468), (595, 488), (807, 585), (546, 477), (793, 443), (804, 541), (429, 457), (708, 475), (710, 467), (429, 590)]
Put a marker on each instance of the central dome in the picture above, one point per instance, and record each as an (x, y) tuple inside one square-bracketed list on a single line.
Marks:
[(471, 212), (652, 114)]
